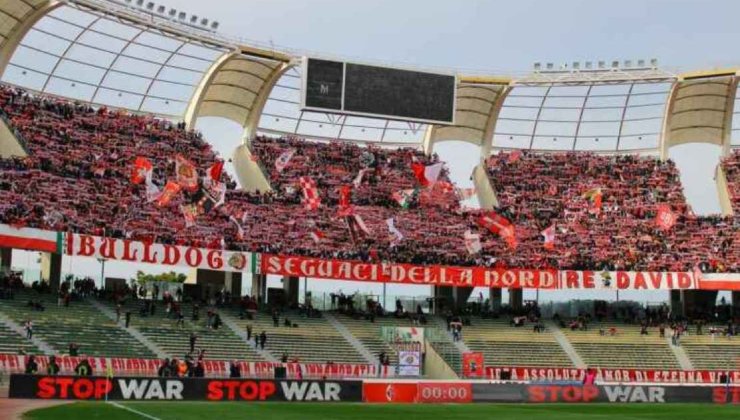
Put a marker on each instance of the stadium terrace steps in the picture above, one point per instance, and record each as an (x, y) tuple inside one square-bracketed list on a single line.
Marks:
[(315, 340), (370, 333), (130, 330), (79, 323), (357, 344), (242, 333), (12, 342), (504, 345), (565, 345), (220, 344), (626, 349), (709, 351)]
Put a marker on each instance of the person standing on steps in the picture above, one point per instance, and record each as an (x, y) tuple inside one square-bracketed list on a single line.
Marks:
[(249, 331), (263, 340), (128, 318), (29, 329)]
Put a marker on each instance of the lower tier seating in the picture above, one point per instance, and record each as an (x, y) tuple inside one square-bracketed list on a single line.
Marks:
[(79, 323)]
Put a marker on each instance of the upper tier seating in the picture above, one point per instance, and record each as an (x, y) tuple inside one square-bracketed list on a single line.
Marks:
[(338, 164), (79, 323), (505, 345), (539, 190)]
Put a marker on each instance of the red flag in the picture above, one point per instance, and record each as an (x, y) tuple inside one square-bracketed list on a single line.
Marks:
[(345, 204), (311, 199), (499, 225), (141, 171), (215, 171), (168, 193), (426, 175), (187, 175), (665, 219)]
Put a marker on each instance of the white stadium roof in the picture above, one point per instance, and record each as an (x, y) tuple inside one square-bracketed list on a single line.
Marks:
[(106, 53)]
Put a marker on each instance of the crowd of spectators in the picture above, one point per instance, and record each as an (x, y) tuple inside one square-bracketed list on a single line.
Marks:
[(731, 167), (76, 178), (537, 190)]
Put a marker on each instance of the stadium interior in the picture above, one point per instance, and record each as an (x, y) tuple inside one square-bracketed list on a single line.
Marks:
[(91, 86)]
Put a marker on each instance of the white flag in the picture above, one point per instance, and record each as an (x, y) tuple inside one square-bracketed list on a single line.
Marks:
[(394, 231), (472, 242)]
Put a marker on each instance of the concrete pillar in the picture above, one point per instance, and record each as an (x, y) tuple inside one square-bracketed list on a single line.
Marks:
[(291, 285), (495, 295), (736, 303), (516, 298), (259, 287), (51, 269), (676, 302), (699, 302), (461, 295), (444, 299), (6, 259)]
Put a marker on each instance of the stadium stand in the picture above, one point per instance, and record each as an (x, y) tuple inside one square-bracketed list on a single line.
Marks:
[(538, 190), (162, 329), (13, 343), (624, 348), (505, 345), (79, 323), (312, 340), (713, 349)]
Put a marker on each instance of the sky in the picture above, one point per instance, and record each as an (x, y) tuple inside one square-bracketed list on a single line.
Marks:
[(493, 37)]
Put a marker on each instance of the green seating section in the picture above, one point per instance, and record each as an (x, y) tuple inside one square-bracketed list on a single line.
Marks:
[(79, 323), (707, 352), (450, 354), (504, 345), (370, 333), (174, 340), (11, 342), (314, 341), (626, 349)]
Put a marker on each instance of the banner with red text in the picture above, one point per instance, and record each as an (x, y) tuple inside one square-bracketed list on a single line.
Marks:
[(556, 374), (151, 253), (433, 275), (437, 275), (12, 363)]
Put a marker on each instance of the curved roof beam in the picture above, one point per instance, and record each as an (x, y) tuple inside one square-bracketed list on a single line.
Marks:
[(700, 110), (22, 16), (478, 102)]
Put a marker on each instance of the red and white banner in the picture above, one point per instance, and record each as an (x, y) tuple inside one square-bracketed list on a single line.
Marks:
[(150, 253), (437, 275), (30, 239), (407, 273), (540, 374), (12, 363)]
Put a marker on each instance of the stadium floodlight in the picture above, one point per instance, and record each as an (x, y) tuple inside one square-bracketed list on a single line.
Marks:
[(549, 66), (537, 66), (576, 65), (641, 63), (602, 64), (150, 6), (193, 19), (627, 63), (182, 15), (589, 65), (214, 25), (140, 3), (204, 22), (172, 13), (161, 9), (615, 64), (654, 62)]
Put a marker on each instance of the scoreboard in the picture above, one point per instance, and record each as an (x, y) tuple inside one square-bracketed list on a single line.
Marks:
[(383, 92)]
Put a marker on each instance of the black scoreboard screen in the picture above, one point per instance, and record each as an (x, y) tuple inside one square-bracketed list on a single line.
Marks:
[(358, 89)]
